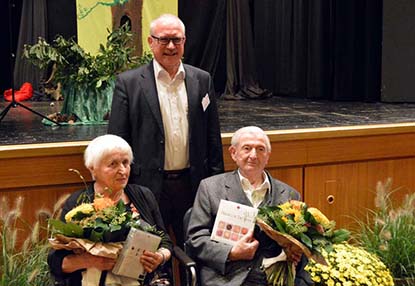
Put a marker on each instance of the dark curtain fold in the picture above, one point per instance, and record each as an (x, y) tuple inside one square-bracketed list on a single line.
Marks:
[(205, 37), (33, 25), (242, 78), (322, 49)]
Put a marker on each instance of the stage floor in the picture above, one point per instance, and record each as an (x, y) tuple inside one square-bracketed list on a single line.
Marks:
[(20, 126)]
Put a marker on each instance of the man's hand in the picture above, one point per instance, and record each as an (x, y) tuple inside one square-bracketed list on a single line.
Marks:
[(293, 253), (245, 248)]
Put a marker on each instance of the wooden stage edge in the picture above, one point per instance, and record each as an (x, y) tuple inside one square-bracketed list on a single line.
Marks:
[(334, 168), (41, 149)]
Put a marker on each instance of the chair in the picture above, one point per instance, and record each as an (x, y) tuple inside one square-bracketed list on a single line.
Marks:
[(182, 254), (188, 264)]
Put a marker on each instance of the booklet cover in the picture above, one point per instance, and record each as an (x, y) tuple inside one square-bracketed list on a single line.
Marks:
[(233, 221), (128, 263)]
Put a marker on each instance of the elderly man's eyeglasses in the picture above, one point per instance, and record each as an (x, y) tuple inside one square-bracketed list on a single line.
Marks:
[(166, 41)]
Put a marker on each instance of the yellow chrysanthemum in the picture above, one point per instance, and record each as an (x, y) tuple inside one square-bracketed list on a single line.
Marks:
[(352, 266), (82, 208)]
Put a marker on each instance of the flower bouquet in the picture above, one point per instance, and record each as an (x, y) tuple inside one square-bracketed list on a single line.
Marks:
[(300, 229), (350, 265), (98, 228)]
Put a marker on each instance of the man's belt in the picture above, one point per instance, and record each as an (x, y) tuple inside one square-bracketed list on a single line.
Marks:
[(175, 174)]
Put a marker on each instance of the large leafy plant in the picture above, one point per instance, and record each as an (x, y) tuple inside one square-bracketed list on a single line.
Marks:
[(72, 66)]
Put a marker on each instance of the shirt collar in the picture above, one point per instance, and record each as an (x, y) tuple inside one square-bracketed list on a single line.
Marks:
[(161, 73), (255, 195)]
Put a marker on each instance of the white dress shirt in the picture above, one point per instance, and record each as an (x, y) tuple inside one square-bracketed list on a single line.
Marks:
[(255, 195), (174, 110)]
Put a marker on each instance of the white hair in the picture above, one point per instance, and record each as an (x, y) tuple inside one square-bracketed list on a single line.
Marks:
[(104, 145), (254, 130), (166, 18)]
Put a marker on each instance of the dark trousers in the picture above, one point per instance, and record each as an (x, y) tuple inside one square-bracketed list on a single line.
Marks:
[(176, 198)]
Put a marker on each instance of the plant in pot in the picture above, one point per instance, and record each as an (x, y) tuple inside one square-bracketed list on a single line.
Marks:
[(388, 231), (87, 81)]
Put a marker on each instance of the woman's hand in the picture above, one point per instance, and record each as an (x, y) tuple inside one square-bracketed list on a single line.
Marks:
[(152, 260), (74, 262)]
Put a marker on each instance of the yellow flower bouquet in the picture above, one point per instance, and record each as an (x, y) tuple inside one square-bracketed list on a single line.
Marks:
[(98, 228), (103, 220), (295, 226)]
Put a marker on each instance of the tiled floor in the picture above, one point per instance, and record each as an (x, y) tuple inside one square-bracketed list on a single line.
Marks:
[(20, 126)]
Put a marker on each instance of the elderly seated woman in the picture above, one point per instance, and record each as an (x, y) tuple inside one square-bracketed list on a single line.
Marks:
[(108, 158)]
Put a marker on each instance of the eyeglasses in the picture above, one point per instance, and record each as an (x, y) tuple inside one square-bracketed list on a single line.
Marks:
[(166, 41)]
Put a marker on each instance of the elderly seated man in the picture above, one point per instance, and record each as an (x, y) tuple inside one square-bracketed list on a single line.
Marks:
[(241, 264)]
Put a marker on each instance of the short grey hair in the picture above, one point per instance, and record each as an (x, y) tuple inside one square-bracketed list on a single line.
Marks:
[(254, 130), (166, 17), (103, 145)]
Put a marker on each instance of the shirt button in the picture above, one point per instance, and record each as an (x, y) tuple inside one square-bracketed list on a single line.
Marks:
[(161, 142)]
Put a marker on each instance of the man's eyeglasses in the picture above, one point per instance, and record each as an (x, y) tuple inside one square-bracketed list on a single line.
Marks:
[(166, 41)]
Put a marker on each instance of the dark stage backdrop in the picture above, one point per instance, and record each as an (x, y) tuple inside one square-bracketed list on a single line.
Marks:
[(5, 45), (323, 49), (30, 19)]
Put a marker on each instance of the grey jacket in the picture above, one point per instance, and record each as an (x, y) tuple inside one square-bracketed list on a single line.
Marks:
[(211, 256)]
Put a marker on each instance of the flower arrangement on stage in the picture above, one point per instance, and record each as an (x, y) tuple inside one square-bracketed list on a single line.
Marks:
[(301, 229), (86, 81), (350, 265)]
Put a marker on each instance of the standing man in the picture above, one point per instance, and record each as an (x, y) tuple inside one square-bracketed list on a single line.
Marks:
[(241, 264), (167, 112)]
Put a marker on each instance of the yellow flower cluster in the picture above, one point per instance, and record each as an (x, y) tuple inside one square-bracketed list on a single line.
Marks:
[(320, 217), (350, 265), (290, 208), (82, 208)]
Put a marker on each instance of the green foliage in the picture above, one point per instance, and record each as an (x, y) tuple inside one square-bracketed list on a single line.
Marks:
[(73, 66), (388, 231), (84, 221), (26, 264)]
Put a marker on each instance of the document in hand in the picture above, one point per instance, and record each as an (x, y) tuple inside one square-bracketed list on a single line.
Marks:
[(128, 263), (233, 221)]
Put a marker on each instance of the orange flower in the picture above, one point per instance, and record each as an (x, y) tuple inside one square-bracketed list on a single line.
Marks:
[(296, 204), (102, 203)]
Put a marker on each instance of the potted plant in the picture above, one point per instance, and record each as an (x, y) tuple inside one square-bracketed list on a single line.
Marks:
[(87, 81), (388, 231), (349, 265)]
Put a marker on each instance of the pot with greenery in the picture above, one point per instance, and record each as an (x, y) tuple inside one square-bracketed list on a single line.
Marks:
[(388, 231), (87, 81)]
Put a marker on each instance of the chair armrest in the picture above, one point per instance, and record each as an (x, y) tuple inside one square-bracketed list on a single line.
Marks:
[(188, 263), (183, 257)]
